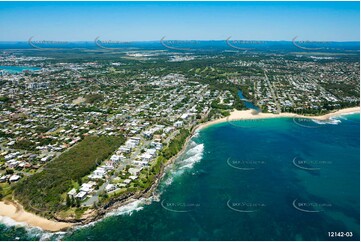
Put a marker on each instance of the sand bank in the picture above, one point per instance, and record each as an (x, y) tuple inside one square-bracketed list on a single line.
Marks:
[(250, 114), (16, 212)]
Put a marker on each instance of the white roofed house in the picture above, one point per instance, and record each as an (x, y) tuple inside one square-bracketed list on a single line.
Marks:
[(168, 129), (72, 192), (125, 149), (141, 162), (133, 177), (116, 158), (110, 187), (95, 177), (9, 156), (178, 124), (131, 144), (14, 178), (46, 158), (12, 163), (108, 167), (146, 157), (184, 116), (134, 171), (87, 187), (152, 152), (156, 145), (4, 178), (148, 134), (81, 195), (99, 173), (136, 140)]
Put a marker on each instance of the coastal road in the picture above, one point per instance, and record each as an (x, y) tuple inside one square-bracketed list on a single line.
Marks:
[(273, 93)]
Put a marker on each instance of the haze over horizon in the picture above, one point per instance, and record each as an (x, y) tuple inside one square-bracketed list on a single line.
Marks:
[(150, 21)]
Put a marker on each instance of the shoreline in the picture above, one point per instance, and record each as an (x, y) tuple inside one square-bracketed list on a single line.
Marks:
[(16, 212), (249, 115)]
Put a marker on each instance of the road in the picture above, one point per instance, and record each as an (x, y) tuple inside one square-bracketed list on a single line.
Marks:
[(273, 94)]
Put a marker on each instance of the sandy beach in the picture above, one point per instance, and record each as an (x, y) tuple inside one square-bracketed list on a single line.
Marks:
[(250, 114), (16, 212)]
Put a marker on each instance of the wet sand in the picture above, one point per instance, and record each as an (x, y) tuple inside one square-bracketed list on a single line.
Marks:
[(16, 212), (250, 114)]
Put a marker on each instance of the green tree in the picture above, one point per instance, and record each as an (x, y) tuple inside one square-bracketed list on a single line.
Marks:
[(68, 201), (72, 201), (9, 171)]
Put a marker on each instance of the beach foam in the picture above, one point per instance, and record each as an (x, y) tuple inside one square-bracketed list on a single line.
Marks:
[(333, 121), (32, 232), (11, 223), (126, 209), (195, 155), (186, 161), (129, 208)]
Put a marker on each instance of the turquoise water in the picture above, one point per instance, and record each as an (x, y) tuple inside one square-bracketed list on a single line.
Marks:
[(246, 180), (18, 69)]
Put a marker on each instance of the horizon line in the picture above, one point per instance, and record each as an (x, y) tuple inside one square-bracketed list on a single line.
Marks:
[(200, 40)]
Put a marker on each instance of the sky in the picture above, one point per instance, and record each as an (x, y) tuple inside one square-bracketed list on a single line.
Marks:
[(144, 21)]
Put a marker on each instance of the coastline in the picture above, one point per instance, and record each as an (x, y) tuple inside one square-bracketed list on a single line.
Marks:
[(16, 212), (248, 114)]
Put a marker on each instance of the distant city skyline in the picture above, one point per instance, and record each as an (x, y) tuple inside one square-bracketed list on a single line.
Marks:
[(150, 21)]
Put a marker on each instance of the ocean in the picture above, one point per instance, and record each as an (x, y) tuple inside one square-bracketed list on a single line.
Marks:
[(266, 179)]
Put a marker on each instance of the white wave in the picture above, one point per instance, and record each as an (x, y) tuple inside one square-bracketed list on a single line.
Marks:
[(186, 161), (333, 121), (196, 134), (12, 223), (168, 181), (189, 163), (32, 231), (346, 114), (342, 118), (196, 149), (156, 197), (129, 208), (49, 236), (191, 145), (194, 155)]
